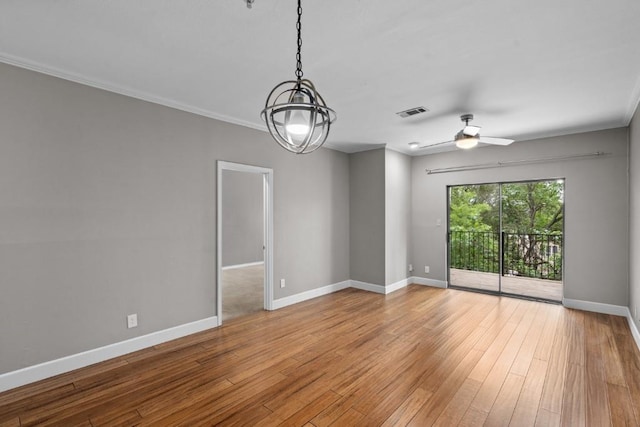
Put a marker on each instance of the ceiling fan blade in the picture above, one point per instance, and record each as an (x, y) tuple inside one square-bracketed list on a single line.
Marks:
[(495, 141), (434, 145), (471, 130)]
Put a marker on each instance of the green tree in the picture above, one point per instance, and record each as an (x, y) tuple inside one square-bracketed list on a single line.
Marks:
[(532, 222), (470, 207), (533, 207), (474, 239)]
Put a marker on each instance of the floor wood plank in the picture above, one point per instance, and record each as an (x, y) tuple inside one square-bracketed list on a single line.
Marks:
[(630, 357), (502, 411), (406, 411), (598, 412), (419, 356), (457, 407), (621, 406), (574, 398), (553, 390), (526, 408), (547, 418)]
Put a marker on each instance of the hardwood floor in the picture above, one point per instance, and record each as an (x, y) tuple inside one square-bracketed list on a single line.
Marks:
[(419, 356)]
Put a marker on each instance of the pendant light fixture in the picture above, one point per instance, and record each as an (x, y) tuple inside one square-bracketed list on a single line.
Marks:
[(296, 115)]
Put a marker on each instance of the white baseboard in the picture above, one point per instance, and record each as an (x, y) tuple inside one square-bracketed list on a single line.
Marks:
[(596, 307), (364, 286), (379, 289), (249, 264), (634, 329), (428, 282), (397, 285), (49, 369), (314, 293)]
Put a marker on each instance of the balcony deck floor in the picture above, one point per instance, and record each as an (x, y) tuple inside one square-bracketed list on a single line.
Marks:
[(530, 287)]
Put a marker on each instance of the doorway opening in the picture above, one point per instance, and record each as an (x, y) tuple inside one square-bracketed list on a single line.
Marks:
[(507, 238), (244, 235)]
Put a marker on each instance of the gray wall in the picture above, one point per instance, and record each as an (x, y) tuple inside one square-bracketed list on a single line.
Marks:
[(398, 215), (634, 216), (596, 230), (380, 187), (242, 218), (367, 216), (107, 207)]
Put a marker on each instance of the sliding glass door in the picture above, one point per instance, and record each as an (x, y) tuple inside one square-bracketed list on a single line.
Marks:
[(507, 238), (532, 238), (474, 236)]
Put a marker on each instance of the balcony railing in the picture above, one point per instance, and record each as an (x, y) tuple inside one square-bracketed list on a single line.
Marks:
[(524, 254)]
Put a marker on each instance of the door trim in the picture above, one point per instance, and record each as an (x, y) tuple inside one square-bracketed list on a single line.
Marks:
[(267, 180)]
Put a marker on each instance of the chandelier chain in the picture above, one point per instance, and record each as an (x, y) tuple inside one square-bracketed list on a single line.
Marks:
[(299, 54)]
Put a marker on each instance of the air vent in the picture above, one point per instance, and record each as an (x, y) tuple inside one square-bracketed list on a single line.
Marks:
[(412, 112)]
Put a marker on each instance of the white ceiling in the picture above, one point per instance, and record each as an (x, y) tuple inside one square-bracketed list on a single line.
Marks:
[(526, 69)]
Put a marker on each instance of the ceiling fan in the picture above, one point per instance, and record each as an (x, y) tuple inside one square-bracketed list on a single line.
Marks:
[(467, 138)]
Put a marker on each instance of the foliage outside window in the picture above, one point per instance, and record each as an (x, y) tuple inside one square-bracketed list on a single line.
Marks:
[(532, 223)]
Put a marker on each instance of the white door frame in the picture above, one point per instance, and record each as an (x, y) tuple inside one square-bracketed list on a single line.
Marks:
[(267, 179)]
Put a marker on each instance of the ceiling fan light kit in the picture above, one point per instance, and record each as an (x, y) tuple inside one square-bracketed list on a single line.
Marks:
[(469, 136), (466, 142), (296, 115)]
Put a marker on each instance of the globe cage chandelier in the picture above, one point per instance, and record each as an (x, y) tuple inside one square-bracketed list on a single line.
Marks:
[(296, 115)]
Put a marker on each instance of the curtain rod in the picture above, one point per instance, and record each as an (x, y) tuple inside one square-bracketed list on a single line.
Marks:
[(515, 162)]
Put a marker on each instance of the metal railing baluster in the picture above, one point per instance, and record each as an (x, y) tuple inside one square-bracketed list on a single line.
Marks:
[(524, 254)]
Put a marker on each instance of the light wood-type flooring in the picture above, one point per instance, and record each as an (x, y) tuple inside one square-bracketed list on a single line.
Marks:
[(419, 356)]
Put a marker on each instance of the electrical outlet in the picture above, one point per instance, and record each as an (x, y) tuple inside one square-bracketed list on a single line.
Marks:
[(132, 321), (282, 283), (637, 313), (426, 269), (410, 267)]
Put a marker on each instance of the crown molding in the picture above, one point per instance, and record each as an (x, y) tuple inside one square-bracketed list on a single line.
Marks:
[(122, 90)]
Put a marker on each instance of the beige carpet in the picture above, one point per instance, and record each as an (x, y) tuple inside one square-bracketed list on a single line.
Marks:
[(242, 291)]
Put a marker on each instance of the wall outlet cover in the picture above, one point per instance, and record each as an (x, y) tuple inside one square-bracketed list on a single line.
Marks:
[(282, 284), (132, 321), (426, 269)]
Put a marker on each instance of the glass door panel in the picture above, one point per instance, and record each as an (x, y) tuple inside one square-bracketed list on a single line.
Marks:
[(532, 238), (474, 237)]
